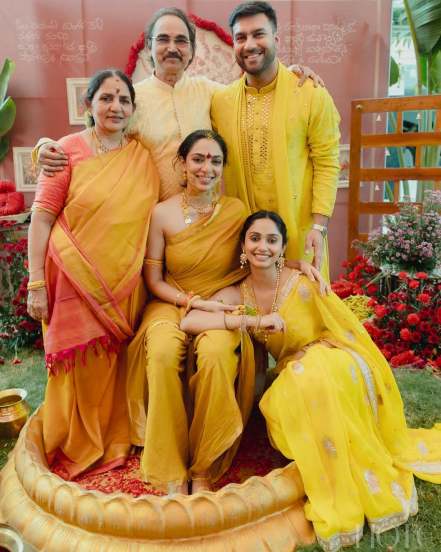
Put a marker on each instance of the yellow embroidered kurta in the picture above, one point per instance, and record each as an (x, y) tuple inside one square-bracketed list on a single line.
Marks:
[(165, 115), (338, 413), (301, 145), (202, 258)]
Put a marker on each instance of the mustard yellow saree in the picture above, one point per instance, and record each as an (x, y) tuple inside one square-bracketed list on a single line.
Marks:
[(202, 258)]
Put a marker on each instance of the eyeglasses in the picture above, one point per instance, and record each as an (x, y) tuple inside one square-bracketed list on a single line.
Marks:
[(165, 40)]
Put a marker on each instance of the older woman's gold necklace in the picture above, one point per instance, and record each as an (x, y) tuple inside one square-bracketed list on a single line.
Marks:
[(101, 147), (200, 210)]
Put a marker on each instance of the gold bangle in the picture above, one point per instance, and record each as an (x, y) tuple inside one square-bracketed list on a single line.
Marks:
[(191, 300), (259, 320), (153, 262), (243, 323), (177, 298), (36, 284)]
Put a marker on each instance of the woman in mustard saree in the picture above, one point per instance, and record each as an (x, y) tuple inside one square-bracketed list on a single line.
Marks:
[(87, 243), (334, 406), (190, 433)]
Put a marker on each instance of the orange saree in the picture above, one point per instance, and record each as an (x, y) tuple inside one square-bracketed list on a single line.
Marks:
[(95, 291)]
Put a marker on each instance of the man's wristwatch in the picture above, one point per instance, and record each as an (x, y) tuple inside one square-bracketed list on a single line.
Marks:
[(322, 229)]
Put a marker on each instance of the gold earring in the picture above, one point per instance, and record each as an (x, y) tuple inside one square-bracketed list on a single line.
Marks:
[(280, 263), (243, 260), (184, 178)]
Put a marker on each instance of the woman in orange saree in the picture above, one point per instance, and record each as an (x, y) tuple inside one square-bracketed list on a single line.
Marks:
[(86, 248)]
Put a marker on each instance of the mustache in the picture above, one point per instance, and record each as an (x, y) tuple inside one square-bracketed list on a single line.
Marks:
[(251, 52), (173, 55)]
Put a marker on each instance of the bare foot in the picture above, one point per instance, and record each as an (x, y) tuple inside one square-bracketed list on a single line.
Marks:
[(200, 484), (178, 489)]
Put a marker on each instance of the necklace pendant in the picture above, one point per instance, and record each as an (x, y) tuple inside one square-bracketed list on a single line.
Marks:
[(187, 220)]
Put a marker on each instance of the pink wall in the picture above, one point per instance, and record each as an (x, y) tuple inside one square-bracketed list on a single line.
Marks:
[(345, 41)]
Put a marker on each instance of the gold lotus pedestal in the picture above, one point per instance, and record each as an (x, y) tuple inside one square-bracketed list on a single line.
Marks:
[(53, 515)]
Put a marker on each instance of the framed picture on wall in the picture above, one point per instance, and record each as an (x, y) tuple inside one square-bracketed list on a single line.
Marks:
[(25, 174), (76, 89), (343, 179)]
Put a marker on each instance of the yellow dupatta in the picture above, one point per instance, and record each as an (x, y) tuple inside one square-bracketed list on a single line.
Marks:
[(97, 247)]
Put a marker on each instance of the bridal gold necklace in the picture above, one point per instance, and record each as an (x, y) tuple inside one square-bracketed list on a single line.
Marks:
[(199, 209)]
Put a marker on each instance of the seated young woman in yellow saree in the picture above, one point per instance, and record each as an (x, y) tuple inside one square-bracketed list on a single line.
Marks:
[(195, 234), (87, 243), (334, 406)]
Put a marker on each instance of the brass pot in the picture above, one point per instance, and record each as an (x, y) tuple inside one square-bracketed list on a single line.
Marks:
[(14, 411), (9, 539)]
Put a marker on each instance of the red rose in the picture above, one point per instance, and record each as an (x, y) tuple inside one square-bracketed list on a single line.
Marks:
[(421, 276), (380, 311), (405, 334), (413, 319), (372, 289), (424, 326), (438, 315), (372, 302), (413, 284), (424, 298), (401, 307), (402, 275), (416, 337)]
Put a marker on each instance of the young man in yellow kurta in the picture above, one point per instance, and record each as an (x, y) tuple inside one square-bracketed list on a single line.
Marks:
[(282, 139)]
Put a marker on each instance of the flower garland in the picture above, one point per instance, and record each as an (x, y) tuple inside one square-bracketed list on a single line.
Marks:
[(204, 24)]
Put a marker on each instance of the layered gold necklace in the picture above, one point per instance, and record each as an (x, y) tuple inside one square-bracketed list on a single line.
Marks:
[(200, 210), (249, 291), (101, 147)]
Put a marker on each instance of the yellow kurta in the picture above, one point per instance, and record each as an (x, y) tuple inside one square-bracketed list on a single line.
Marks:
[(202, 258), (165, 115), (338, 413), (302, 146)]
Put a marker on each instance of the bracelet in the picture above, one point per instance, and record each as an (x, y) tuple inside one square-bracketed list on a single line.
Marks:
[(225, 321), (36, 284), (153, 262), (177, 297), (259, 320), (190, 302), (243, 323)]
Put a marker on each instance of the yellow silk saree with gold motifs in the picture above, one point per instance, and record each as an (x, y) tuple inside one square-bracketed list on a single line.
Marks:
[(93, 272), (338, 413)]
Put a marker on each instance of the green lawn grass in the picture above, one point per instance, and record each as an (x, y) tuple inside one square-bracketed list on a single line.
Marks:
[(421, 393)]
